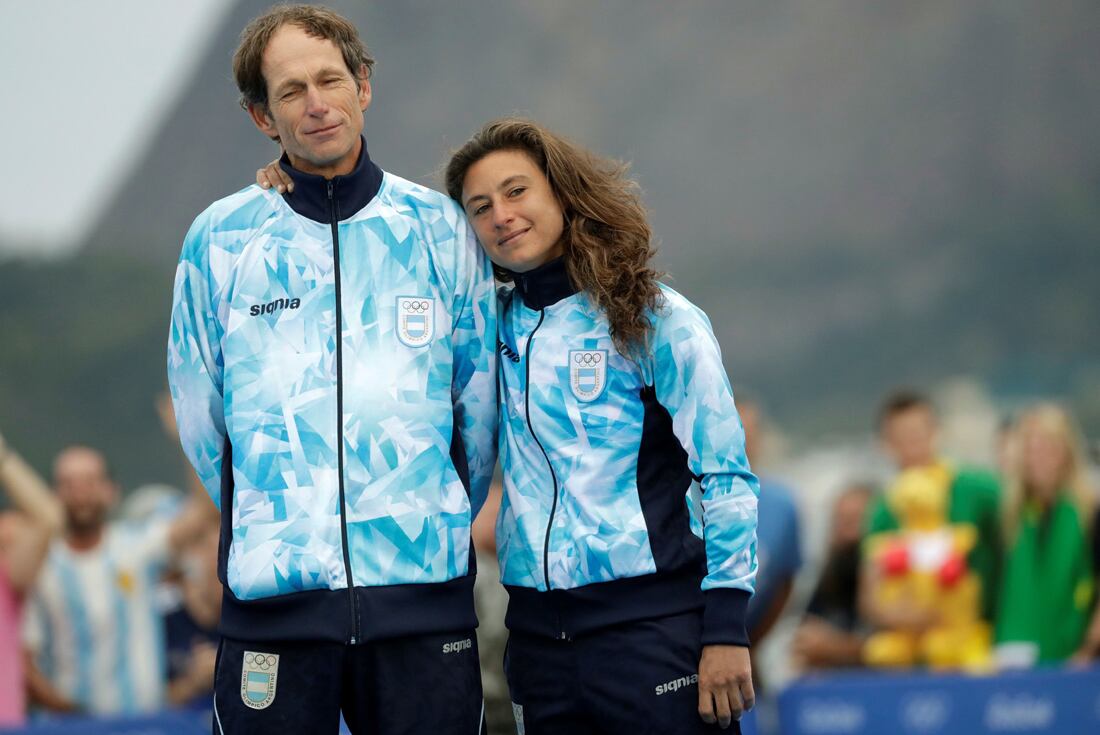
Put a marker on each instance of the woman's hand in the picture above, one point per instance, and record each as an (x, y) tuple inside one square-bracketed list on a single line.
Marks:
[(725, 684), (272, 176)]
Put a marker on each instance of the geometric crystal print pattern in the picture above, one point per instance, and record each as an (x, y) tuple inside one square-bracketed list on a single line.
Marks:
[(599, 531), (685, 367), (252, 358)]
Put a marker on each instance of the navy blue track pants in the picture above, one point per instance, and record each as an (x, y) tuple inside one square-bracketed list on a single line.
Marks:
[(429, 683), (631, 679)]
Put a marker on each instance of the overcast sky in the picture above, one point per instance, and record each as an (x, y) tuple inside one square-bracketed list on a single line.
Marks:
[(84, 86)]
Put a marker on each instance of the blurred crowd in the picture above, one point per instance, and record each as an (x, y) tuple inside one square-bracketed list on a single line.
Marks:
[(962, 568), (111, 607), (107, 606)]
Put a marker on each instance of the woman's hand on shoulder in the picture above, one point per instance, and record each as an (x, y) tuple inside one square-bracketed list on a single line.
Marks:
[(272, 176)]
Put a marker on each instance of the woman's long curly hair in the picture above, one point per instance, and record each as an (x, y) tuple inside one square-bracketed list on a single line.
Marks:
[(607, 239)]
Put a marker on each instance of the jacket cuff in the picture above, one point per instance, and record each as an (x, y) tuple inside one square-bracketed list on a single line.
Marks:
[(724, 617)]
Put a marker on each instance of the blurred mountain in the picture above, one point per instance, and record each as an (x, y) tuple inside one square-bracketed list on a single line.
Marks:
[(83, 359), (858, 193)]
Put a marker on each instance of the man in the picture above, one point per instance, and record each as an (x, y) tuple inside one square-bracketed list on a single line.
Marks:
[(334, 376), (25, 533), (93, 630), (191, 635), (908, 429), (778, 534)]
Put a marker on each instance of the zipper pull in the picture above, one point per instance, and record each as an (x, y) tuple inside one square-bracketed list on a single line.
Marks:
[(328, 185)]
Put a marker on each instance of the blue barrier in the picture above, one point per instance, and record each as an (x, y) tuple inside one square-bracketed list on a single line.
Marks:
[(162, 723), (1052, 701), (180, 722), (1055, 701)]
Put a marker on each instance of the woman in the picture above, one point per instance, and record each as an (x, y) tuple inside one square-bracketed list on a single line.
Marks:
[(613, 398), (1050, 566), (831, 633)]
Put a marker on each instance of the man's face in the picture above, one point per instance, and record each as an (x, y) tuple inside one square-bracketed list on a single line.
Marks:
[(84, 488), (315, 104), (909, 437)]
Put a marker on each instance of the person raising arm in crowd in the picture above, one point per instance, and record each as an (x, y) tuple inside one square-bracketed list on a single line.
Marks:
[(92, 630), (25, 532)]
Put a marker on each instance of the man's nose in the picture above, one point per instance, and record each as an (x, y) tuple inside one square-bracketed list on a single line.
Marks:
[(315, 101)]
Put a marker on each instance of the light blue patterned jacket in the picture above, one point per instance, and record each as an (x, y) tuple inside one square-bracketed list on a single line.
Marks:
[(336, 394), (599, 453)]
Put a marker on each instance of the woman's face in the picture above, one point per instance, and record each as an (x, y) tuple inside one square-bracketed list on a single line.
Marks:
[(848, 515), (1045, 459), (513, 210)]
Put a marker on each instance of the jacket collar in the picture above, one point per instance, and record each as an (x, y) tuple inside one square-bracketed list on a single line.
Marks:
[(546, 285), (350, 192)]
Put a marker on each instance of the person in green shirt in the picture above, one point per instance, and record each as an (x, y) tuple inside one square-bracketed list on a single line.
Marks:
[(908, 429), (1049, 577)]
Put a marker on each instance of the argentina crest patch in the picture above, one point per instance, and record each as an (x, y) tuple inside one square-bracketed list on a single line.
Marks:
[(587, 373), (259, 677), (415, 320)]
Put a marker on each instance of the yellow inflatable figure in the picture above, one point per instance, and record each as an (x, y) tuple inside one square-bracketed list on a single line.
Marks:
[(920, 575)]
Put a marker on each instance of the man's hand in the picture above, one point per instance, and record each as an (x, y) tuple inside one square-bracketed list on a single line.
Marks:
[(41, 692), (725, 684), (272, 175), (819, 644), (198, 677), (812, 641), (200, 669)]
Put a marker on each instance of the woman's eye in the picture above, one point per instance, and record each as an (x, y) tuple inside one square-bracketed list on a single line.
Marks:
[(517, 191), (483, 208)]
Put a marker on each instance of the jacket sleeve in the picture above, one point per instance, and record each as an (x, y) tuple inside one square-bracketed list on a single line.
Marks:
[(690, 382), (195, 361), (474, 380)]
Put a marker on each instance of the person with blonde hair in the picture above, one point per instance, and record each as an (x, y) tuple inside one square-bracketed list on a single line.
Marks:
[(1051, 546)]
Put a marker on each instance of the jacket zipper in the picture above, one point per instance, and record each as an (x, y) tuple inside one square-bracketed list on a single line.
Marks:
[(340, 413), (531, 428)]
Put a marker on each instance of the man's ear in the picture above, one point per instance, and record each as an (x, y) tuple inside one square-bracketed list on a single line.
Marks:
[(262, 119), (116, 493), (364, 87)]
